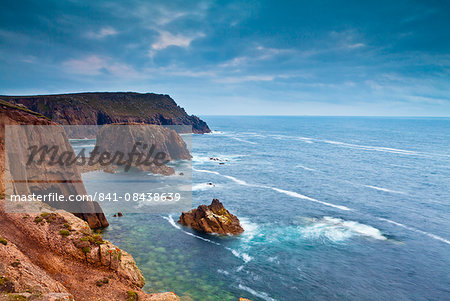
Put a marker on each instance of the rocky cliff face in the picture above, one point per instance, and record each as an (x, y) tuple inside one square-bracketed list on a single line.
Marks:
[(44, 178), (53, 255), (105, 108), (139, 138), (212, 219)]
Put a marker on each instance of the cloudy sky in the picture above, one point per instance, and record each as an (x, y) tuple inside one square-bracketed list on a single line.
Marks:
[(236, 57)]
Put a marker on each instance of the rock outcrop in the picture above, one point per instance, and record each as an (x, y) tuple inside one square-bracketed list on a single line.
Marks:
[(212, 219), (106, 108), (53, 255), (140, 138), (43, 178)]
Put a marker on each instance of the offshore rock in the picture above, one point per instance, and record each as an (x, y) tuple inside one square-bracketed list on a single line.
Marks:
[(212, 219)]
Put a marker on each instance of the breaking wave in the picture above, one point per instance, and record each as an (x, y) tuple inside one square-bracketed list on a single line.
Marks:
[(261, 295), (336, 229)]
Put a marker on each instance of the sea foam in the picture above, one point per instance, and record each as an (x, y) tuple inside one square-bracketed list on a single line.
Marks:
[(336, 229)]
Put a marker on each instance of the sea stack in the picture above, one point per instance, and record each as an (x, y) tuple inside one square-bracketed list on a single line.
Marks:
[(212, 219)]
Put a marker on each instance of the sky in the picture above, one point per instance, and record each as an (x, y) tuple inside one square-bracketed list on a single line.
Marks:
[(362, 58)]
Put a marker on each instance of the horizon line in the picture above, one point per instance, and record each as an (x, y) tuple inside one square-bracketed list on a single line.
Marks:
[(305, 115)]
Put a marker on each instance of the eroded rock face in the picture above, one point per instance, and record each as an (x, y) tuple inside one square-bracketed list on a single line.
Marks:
[(140, 138), (52, 253), (106, 108), (212, 219), (43, 178)]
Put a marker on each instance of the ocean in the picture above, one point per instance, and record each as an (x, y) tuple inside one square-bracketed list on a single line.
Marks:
[(334, 208)]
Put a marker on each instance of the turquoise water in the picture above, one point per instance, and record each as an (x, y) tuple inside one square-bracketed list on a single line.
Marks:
[(334, 208)]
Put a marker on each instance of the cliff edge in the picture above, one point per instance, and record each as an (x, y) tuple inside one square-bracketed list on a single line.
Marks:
[(110, 107)]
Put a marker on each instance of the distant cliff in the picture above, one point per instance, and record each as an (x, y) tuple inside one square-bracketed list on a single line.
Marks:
[(110, 107)]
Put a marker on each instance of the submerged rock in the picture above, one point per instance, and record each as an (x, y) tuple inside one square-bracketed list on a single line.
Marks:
[(212, 219)]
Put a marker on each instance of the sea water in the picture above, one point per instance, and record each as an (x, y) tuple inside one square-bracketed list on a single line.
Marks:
[(334, 208)]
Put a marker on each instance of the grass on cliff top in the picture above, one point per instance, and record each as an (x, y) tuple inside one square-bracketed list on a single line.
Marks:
[(10, 105), (119, 103)]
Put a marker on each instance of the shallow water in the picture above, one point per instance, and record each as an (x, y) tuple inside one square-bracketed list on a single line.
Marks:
[(334, 208)]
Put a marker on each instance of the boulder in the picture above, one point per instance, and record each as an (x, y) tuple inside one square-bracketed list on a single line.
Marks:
[(212, 219)]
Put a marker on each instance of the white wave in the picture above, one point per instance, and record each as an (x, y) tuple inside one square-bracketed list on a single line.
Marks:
[(200, 159), (273, 259), (248, 226), (241, 255), (304, 197), (434, 236), (384, 189), (305, 139), (223, 272), (216, 133), (373, 148), (243, 140), (287, 192), (240, 268), (217, 158), (83, 145), (336, 229), (305, 168), (82, 139), (174, 224), (261, 295), (252, 134), (244, 256), (240, 182), (202, 186), (206, 171)]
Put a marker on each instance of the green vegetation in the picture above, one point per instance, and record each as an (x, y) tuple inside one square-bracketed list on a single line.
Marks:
[(15, 263), (132, 296), (10, 105), (64, 232), (3, 280), (3, 241), (102, 282), (38, 219), (96, 239), (17, 298)]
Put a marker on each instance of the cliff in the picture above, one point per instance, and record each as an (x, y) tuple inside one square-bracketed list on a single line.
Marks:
[(15, 178), (114, 138), (50, 254), (53, 255), (106, 108)]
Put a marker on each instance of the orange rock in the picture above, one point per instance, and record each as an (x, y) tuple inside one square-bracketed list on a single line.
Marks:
[(212, 219)]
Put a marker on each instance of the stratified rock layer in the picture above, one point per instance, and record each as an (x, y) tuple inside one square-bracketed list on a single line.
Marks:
[(105, 108), (53, 254), (41, 178), (212, 219), (122, 138)]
